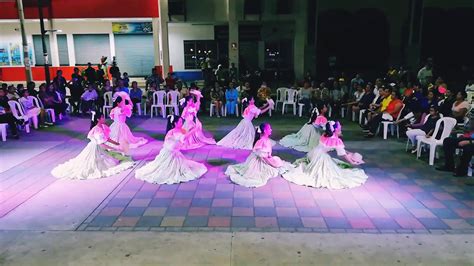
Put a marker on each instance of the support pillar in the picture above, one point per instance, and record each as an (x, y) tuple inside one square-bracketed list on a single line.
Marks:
[(53, 44), (235, 13), (300, 40), (162, 30)]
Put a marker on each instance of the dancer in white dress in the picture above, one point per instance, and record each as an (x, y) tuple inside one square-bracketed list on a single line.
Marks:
[(119, 131), (308, 136), (94, 162), (196, 138), (170, 166), (260, 166), (242, 136), (320, 170)]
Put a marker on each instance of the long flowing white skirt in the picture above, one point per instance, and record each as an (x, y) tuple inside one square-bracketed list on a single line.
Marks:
[(196, 139), (170, 167), (255, 172), (121, 133), (304, 140), (241, 137), (322, 171), (93, 162)]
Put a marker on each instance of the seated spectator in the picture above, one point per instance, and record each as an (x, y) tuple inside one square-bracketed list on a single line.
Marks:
[(6, 115), (431, 99), (184, 91), (90, 74), (100, 74), (426, 129), (263, 94), (155, 77), (460, 107), (12, 93), (31, 110), (52, 99), (126, 80), (121, 87), (231, 97), (76, 86), (135, 95), (357, 96), (217, 97), (170, 82), (60, 84), (388, 113), (30, 86), (374, 107), (446, 105), (466, 144), (336, 98), (89, 99), (366, 99), (149, 94), (305, 94)]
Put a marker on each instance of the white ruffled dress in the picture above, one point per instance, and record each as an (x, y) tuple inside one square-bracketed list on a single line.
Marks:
[(93, 162), (242, 136), (256, 171), (170, 166), (120, 132)]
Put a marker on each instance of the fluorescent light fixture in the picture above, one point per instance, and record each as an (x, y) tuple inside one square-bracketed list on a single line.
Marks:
[(9, 20), (75, 19), (126, 19)]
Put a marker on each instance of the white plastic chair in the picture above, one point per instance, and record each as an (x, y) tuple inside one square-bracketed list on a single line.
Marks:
[(18, 113), (158, 102), (172, 98), (108, 104), (448, 124), (49, 111), (212, 106), (361, 114), (33, 119), (290, 99), (386, 124), (236, 110), (3, 131), (280, 96)]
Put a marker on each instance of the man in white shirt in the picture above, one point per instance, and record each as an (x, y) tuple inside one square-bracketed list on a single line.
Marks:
[(88, 99), (425, 75)]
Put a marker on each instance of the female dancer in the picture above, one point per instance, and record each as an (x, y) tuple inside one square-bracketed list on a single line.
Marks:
[(170, 166), (260, 166), (94, 162), (308, 136), (119, 131), (196, 138), (318, 169), (243, 135)]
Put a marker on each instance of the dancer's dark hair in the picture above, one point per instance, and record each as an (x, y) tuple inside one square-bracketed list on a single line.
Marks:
[(96, 115), (316, 112), (186, 99), (259, 131), (330, 129), (172, 119), (117, 101)]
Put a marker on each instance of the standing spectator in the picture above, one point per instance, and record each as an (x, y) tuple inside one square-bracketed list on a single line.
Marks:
[(217, 97), (60, 83), (115, 73), (220, 75), (170, 82), (100, 74), (425, 74), (460, 107), (469, 85), (233, 72), (466, 144), (154, 78), (89, 99), (76, 86), (231, 96), (336, 96), (90, 74), (6, 115), (126, 80), (135, 95)]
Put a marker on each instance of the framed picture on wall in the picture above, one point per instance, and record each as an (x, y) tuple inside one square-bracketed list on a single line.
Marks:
[(4, 55)]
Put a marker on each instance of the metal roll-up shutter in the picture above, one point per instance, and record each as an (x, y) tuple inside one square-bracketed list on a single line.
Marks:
[(63, 50), (38, 49), (134, 53), (91, 47)]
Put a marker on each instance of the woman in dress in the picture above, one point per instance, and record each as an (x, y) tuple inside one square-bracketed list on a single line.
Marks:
[(196, 138), (94, 162), (319, 170), (119, 131), (308, 136), (243, 135), (260, 166), (170, 166)]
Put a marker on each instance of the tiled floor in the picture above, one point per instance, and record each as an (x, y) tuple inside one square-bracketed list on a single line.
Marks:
[(402, 194)]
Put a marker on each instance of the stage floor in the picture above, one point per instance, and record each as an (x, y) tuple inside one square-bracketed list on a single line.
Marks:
[(402, 194)]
